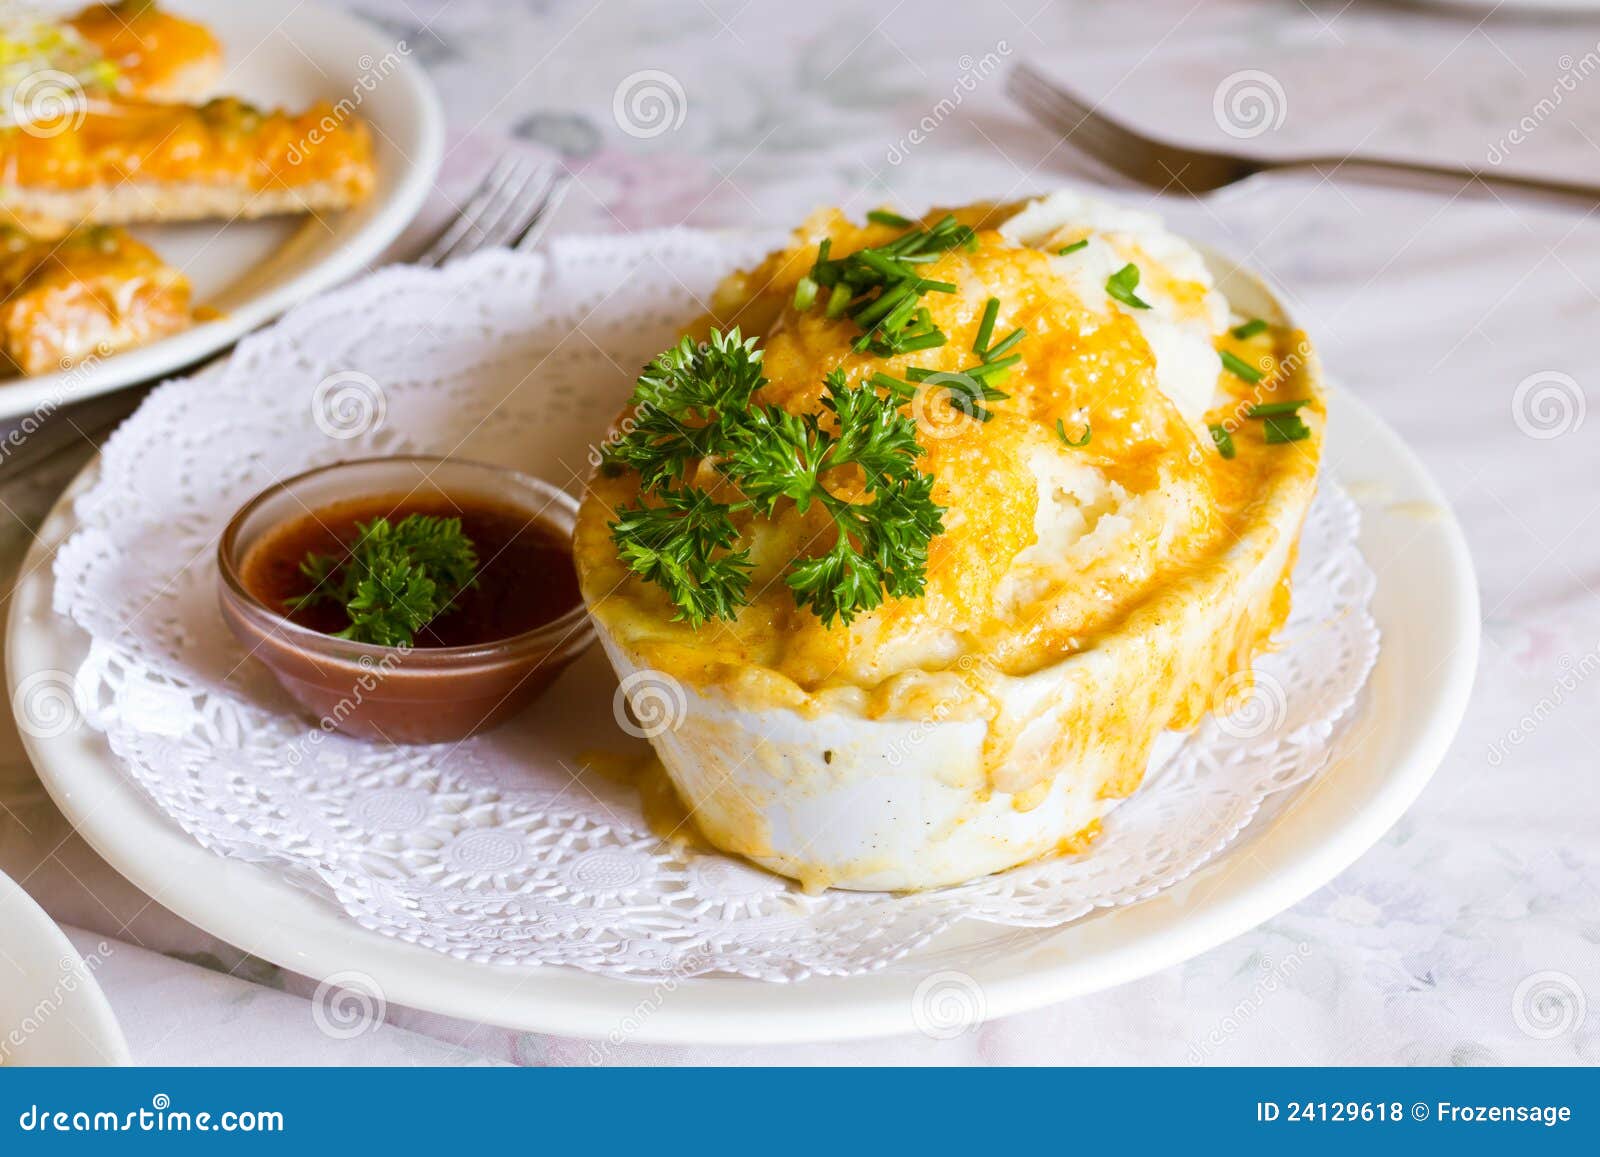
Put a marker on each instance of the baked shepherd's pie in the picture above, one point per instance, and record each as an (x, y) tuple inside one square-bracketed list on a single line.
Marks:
[(941, 525)]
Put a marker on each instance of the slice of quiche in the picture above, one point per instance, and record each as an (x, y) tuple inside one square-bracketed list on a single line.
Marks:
[(89, 294), (140, 161), (151, 54)]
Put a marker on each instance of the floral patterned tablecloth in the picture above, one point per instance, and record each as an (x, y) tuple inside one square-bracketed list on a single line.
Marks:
[(1471, 933)]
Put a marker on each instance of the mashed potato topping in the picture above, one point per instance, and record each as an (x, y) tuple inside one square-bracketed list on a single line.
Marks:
[(1136, 557)]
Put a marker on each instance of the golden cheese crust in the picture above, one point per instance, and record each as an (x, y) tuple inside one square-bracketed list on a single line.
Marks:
[(1158, 511), (139, 161), (90, 294), (155, 55)]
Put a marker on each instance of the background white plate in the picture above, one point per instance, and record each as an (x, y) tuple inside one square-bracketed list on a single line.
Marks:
[(1426, 606), (51, 1010), (278, 53)]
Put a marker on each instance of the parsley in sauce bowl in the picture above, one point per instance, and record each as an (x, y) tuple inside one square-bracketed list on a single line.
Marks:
[(408, 599)]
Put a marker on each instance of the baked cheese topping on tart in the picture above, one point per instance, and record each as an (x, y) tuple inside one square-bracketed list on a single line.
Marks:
[(153, 55), (136, 161), (89, 294), (901, 693)]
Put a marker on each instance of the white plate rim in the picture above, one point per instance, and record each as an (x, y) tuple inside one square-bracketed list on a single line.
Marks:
[(424, 147), (88, 1016), (1381, 768)]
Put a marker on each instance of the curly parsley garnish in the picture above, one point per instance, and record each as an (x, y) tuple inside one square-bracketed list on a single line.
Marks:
[(396, 578), (693, 404)]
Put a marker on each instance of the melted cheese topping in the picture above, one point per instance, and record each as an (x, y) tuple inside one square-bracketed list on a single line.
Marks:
[(154, 53), (93, 292), (1049, 551), (223, 142)]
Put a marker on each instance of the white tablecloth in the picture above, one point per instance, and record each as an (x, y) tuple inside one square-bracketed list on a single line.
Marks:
[(1435, 310)]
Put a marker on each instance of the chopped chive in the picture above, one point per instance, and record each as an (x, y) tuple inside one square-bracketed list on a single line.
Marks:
[(1239, 368), (1288, 428), (1121, 285), (1061, 432), (1066, 250), (921, 341), (895, 386), (839, 300), (1249, 329), (989, 369), (888, 266), (991, 310), (1223, 439), (884, 217), (1276, 409), (1004, 345), (805, 294)]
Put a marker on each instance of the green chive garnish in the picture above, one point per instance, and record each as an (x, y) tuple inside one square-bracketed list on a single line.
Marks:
[(884, 217), (991, 310), (1223, 439), (805, 294), (839, 300), (1249, 329), (1004, 344), (1061, 432), (1240, 368), (1288, 428), (1073, 248), (1121, 285), (989, 369), (1276, 409)]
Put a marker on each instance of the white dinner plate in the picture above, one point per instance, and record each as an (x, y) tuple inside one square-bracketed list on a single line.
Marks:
[(1426, 606), (289, 54), (51, 1010)]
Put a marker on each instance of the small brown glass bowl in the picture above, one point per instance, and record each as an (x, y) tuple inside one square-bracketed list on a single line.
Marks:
[(404, 695)]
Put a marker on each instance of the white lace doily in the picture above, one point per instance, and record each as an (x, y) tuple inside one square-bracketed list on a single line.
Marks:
[(502, 849)]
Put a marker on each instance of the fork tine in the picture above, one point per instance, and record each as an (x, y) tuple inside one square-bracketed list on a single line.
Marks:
[(445, 240), (524, 205), (510, 209), (482, 228), (1086, 128), (560, 186)]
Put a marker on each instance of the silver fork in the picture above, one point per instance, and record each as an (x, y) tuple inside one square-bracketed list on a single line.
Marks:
[(1165, 166), (511, 206)]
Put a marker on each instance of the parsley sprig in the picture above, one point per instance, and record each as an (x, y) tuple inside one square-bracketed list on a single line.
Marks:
[(694, 404), (395, 579)]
